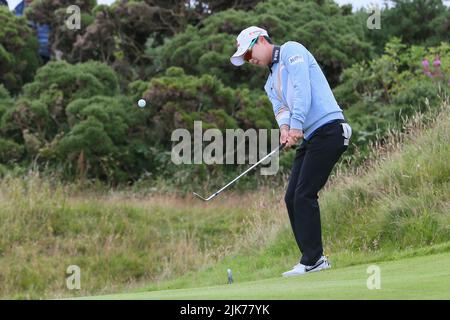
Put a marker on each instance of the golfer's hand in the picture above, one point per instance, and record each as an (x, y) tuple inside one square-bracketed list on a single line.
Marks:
[(294, 136), (284, 134)]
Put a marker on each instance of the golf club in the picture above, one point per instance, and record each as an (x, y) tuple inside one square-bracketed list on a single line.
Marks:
[(279, 148)]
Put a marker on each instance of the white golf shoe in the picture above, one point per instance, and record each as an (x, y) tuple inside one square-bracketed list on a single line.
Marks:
[(300, 269)]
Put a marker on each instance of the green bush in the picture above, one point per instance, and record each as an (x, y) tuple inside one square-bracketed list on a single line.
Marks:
[(5, 100), (97, 138), (176, 100), (10, 151), (377, 95), (18, 51), (207, 47), (58, 83), (417, 22)]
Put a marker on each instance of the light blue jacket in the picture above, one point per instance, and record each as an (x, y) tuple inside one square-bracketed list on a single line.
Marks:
[(300, 94)]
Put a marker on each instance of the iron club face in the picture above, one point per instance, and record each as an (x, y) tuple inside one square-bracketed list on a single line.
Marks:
[(206, 199), (199, 196)]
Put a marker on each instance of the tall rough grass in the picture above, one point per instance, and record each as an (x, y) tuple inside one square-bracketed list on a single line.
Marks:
[(401, 197), (118, 240)]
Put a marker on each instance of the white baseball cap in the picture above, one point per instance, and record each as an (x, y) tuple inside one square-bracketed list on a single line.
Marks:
[(244, 40)]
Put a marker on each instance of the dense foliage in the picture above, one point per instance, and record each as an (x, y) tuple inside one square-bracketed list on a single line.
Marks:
[(206, 48), (424, 22), (72, 117), (77, 115), (18, 51), (378, 94)]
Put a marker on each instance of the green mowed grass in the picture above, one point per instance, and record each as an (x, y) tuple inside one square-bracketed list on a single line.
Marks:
[(424, 277)]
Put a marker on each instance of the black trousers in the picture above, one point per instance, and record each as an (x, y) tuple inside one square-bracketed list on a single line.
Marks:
[(312, 166)]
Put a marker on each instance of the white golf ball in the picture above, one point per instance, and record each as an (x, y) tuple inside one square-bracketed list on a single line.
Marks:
[(142, 103)]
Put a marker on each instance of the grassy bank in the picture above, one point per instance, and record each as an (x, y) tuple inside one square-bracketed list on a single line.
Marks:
[(397, 205), (391, 207), (118, 241)]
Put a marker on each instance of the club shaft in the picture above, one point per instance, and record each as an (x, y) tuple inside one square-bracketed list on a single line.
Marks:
[(243, 173)]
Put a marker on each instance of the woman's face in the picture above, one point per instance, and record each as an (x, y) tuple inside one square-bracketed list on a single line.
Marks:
[(257, 55)]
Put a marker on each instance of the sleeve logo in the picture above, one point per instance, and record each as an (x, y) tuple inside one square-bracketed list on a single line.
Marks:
[(296, 59)]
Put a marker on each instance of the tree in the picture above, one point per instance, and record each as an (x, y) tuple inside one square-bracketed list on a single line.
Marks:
[(39, 117), (73, 117), (54, 13), (5, 100), (18, 51), (117, 34), (378, 93), (178, 99), (424, 22), (335, 39)]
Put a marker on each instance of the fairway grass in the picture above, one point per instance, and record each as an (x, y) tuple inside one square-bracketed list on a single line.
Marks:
[(424, 277)]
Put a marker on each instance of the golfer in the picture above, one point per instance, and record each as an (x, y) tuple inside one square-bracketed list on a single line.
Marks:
[(304, 107)]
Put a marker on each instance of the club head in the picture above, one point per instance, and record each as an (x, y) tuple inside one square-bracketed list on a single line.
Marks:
[(199, 196)]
